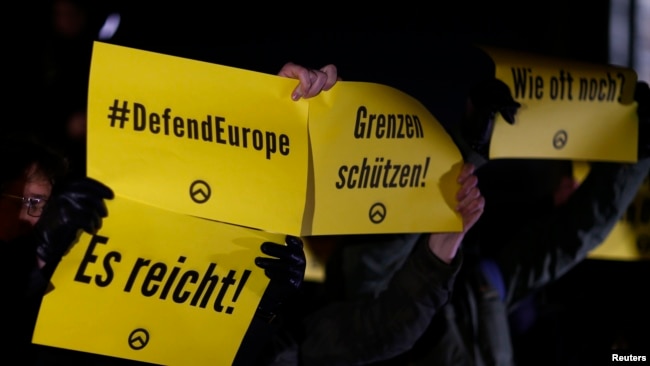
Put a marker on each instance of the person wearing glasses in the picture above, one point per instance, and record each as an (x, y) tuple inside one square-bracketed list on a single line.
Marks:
[(42, 210), (34, 204), (40, 217), (28, 208)]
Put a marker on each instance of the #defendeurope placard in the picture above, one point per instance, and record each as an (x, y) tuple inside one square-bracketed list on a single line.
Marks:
[(207, 162), (230, 145)]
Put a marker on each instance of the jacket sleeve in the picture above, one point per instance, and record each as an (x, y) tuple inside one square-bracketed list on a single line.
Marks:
[(546, 249), (366, 330), (24, 287)]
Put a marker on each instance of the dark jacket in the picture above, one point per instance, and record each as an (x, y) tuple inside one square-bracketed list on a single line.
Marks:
[(387, 316), (473, 329)]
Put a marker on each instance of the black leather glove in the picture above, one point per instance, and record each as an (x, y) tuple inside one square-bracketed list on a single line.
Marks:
[(642, 97), (487, 99), (74, 206), (286, 270)]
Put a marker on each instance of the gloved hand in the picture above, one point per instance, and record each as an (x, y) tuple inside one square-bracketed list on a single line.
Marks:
[(642, 97), (73, 206), (286, 270), (486, 100)]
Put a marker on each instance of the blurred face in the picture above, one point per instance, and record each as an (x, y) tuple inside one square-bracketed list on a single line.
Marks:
[(15, 219), (69, 19)]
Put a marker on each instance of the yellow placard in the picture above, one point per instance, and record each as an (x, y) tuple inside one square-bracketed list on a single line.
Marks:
[(382, 163), (200, 156), (629, 240), (570, 110), (198, 138), (230, 145), (156, 286)]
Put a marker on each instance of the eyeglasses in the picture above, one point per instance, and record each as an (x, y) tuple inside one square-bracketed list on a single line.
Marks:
[(34, 205)]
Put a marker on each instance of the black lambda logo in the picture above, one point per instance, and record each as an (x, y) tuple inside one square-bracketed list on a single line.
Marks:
[(138, 339), (200, 191), (377, 213), (560, 139)]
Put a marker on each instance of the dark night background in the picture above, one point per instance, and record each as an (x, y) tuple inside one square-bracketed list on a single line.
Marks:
[(419, 49), (425, 50)]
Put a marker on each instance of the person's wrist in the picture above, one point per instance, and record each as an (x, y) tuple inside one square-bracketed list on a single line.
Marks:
[(445, 245)]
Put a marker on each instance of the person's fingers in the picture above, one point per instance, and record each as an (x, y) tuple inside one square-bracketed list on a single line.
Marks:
[(332, 76), (93, 225), (477, 202), (294, 243), (471, 219), (317, 80), (296, 93), (311, 82), (472, 194), (467, 185), (471, 212), (293, 71), (310, 85), (276, 250), (100, 189), (466, 171), (265, 262), (304, 77)]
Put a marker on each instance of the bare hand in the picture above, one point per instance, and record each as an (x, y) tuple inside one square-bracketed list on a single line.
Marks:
[(312, 82), (470, 201), (470, 206)]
